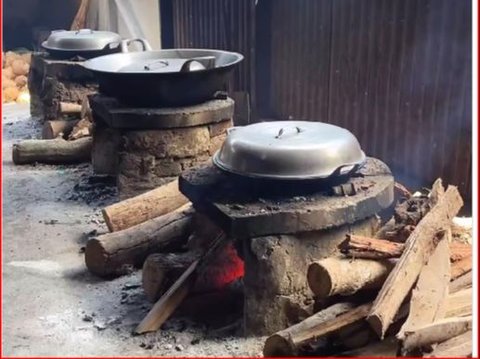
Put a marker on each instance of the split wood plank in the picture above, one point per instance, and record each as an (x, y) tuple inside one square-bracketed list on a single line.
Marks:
[(429, 296), (456, 347), (419, 247), (289, 341), (436, 332)]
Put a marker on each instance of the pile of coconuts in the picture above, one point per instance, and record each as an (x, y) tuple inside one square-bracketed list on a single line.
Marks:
[(15, 76)]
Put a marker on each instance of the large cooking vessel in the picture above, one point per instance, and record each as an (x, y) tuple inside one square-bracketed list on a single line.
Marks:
[(290, 150), (85, 43), (175, 77)]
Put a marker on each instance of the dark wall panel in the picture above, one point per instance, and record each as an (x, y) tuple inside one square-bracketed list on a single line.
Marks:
[(299, 59), (219, 24), (400, 79), (397, 73)]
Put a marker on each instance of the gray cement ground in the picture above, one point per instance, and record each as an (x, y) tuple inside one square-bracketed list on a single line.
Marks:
[(51, 305)]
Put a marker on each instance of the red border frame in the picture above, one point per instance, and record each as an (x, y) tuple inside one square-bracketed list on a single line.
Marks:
[(474, 115)]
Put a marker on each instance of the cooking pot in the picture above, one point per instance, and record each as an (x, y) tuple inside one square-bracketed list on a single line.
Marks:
[(174, 77), (289, 150), (85, 43)]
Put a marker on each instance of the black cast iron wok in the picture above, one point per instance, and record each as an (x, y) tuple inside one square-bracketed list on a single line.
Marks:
[(175, 77)]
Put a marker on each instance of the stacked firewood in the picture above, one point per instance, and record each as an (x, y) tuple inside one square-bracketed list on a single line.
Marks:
[(406, 292), (65, 140), (14, 77), (179, 250)]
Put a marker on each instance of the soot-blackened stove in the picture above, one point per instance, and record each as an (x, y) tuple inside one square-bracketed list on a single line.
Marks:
[(52, 82), (147, 147), (280, 227)]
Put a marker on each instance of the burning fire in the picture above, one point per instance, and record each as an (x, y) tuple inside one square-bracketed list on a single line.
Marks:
[(225, 269)]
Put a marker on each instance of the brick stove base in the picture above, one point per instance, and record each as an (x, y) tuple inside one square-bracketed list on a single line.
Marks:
[(281, 227), (52, 81), (145, 148)]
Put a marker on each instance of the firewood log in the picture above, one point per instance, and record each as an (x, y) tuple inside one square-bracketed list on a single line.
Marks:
[(459, 304), (459, 250), (461, 267), (159, 267), (419, 247), (456, 347), (462, 282), (175, 295), (54, 129), (385, 348), (288, 342), (429, 296), (365, 247), (55, 151), (148, 205), (436, 332), (115, 253), (69, 108), (346, 276), (83, 128)]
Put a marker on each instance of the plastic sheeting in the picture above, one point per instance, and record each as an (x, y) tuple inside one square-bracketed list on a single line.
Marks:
[(129, 18)]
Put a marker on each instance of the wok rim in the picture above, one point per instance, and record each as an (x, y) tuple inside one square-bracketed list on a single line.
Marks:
[(88, 64)]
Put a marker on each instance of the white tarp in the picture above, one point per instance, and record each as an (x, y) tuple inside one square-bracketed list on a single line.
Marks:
[(129, 18)]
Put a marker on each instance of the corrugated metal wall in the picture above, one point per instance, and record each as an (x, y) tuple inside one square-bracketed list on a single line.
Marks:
[(400, 79), (219, 24), (397, 73)]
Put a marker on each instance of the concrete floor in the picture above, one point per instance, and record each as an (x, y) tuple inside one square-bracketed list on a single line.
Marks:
[(51, 305)]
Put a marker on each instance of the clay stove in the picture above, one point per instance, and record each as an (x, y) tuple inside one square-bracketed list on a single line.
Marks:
[(52, 82), (147, 147), (280, 227)]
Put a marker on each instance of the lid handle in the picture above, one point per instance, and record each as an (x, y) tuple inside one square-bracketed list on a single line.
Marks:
[(160, 63), (84, 31), (283, 130)]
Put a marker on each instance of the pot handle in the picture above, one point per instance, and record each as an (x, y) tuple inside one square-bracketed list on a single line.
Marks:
[(207, 61), (283, 129), (145, 45), (231, 129), (345, 169)]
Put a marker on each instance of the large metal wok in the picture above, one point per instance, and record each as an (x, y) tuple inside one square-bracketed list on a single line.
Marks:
[(176, 77)]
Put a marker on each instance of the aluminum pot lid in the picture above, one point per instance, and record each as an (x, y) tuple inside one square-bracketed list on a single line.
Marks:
[(81, 40), (290, 150)]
